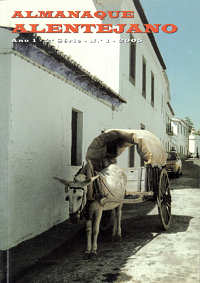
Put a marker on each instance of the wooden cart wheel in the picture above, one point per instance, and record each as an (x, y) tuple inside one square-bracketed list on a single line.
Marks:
[(164, 200)]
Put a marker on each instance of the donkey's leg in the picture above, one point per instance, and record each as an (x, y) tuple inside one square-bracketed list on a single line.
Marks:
[(89, 235), (118, 219), (96, 223), (114, 219)]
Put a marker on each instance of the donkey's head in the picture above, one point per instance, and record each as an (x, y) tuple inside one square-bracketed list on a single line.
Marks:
[(76, 192)]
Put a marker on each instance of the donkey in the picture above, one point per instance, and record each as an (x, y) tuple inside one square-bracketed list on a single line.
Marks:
[(108, 190)]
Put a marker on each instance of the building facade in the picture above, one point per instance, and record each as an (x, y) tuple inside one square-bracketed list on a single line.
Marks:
[(170, 141), (51, 112), (181, 136), (194, 144), (132, 65)]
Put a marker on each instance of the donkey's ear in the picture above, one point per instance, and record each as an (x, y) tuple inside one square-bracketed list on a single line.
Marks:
[(89, 181), (63, 181), (82, 164)]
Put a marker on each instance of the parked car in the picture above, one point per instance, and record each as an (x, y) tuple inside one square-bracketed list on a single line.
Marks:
[(174, 163)]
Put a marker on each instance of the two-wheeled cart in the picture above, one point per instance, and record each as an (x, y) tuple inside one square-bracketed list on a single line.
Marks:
[(152, 181)]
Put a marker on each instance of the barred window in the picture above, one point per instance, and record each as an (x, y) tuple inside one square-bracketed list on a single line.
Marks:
[(152, 89), (132, 59), (132, 156), (76, 137), (144, 77)]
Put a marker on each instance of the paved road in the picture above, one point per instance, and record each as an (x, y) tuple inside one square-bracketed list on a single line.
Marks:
[(145, 255)]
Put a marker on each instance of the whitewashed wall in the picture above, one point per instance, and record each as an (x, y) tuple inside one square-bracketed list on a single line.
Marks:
[(40, 146), (181, 137), (110, 62), (170, 140), (4, 134), (5, 108), (194, 144), (36, 145), (139, 109)]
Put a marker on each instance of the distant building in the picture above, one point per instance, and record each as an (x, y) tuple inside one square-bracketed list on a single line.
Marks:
[(194, 144), (180, 136), (170, 142)]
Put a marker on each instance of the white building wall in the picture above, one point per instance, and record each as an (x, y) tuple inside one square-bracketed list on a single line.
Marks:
[(181, 136), (194, 144), (5, 108), (4, 136), (40, 147), (139, 109), (169, 140), (110, 62)]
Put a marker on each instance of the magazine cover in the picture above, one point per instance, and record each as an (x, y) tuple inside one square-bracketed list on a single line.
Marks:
[(99, 141)]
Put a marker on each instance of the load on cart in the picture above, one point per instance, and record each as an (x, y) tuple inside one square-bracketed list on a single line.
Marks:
[(101, 185)]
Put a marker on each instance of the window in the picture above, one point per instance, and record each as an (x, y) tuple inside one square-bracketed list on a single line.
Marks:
[(76, 141), (132, 156), (144, 77), (142, 127), (132, 59), (152, 89)]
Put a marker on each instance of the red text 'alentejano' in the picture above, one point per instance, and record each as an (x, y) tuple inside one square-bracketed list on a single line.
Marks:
[(86, 28), (95, 28)]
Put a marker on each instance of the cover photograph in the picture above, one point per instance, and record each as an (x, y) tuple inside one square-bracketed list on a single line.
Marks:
[(99, 141)]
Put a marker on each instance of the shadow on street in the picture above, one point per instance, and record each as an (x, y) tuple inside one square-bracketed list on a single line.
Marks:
[(68, 258), (190, 177)]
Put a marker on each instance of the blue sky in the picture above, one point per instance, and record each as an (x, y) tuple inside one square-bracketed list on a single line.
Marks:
[(181, 52)]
